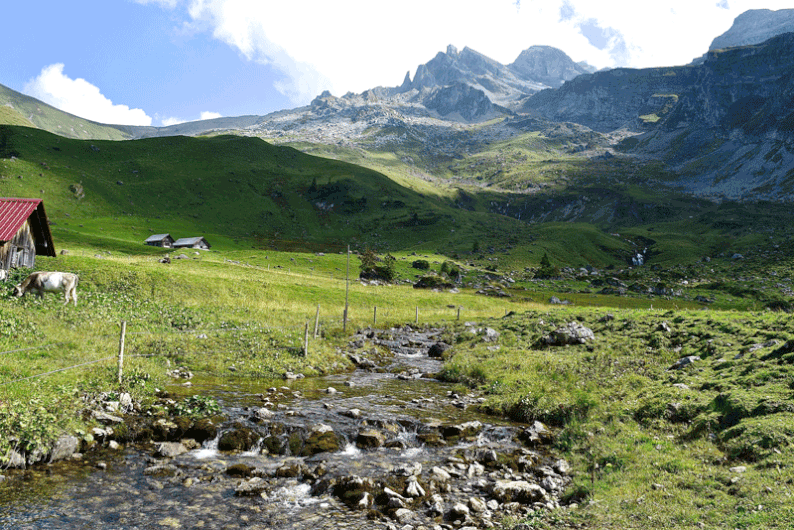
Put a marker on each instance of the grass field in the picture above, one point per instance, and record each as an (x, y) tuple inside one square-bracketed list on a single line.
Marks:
[(651, 447)]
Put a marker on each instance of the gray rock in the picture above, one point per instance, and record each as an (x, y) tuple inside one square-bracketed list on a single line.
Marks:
[(404, 515), (537, 433), (477, 505), (684, 361), (370, 439), (263, 414), (107, 419), (64, 448), (458, 510), (252, 486), (170, 449), (439, 474), (571, 333), (407, 470), (518, 491), (414, 489)]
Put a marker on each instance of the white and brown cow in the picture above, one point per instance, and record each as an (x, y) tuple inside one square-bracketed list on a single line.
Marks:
[(42, 282)]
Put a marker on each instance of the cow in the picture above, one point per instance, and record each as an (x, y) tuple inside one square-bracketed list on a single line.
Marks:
[(42, 282)]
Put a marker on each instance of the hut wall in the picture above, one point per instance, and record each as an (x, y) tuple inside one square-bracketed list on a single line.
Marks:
[(20, 251)]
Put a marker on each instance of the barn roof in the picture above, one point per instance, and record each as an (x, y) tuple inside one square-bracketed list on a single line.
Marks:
[(157, 237), (13, 214), (189, 241)]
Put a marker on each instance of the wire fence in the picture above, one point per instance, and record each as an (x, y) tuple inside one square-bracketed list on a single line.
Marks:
[(297, 339), (155, 333)]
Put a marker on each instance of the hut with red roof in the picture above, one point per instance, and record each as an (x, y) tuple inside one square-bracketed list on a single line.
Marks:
[(24, 232)]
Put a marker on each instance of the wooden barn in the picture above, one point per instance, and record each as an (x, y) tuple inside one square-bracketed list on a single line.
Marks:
[(24, 232), (192, 242), (160, 240)]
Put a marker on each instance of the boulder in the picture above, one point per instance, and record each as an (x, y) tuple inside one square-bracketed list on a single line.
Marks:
[(571, 333), (518, 491), (170, 449), (64, 448), (370, 439)]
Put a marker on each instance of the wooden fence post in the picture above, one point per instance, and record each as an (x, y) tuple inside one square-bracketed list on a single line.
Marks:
[(375, 316), (306, 340), (458, 312), (317, 322), (121, 348), (417, 314)]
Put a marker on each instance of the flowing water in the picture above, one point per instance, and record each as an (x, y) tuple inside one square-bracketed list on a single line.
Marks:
[(133, 489)]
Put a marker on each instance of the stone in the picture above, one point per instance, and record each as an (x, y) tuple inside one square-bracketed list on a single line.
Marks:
[(404, 515), (170, 449), (370, 439), (262, 414), (437, 350), (518, 491), (107, 419), (407, 470), (352, 413), (571, 333), (684, 361), (477, 505), (537, 433), (414, 489), (561, 466), (458, 510), (64, 448), (253, 486), (439, 474)]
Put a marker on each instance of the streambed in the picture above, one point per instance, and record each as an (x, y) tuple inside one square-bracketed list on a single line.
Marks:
[(406, 451)]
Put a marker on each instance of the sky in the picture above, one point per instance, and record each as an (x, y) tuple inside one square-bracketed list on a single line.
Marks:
[(162, 62)]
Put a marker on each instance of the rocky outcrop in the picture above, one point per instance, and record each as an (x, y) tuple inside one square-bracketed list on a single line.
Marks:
[(547, 65), (462, 100), (755, 26)]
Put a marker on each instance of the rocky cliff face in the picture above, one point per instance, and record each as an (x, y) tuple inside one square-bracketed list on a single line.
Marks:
[(613, 99), (755, 26), (498, 82), (548, 65), (731, 132)]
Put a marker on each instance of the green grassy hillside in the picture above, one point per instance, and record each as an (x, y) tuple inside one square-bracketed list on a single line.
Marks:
[(231, 188), (43, 116)]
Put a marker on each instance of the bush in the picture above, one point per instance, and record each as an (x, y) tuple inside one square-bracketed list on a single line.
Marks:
[(374, 268), (421, 264), (451, 269), (547, 270)]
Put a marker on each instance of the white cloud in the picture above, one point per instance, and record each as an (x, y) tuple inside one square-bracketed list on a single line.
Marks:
[(206, 115), (353, 45), (81, 98), (171, 121)]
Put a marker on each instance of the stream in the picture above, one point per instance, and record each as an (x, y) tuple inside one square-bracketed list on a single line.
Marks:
[(385, 446)]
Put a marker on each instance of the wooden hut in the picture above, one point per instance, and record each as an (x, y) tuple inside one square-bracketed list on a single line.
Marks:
[(160, 240), (192, 242), (24, 232)]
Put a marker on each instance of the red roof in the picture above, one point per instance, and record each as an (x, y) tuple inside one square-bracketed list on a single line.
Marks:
[(13, 214)]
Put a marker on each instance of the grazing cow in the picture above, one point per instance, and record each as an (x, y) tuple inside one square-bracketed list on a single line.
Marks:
[(42, 282)]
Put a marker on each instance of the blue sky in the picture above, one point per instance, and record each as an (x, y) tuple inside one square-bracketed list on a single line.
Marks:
[(156, 62)]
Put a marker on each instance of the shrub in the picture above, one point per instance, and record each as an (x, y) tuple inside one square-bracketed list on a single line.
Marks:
[(547, 270), (421, 264), (451, 269)]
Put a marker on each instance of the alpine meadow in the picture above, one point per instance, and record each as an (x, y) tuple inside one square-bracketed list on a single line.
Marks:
[(583, 278)]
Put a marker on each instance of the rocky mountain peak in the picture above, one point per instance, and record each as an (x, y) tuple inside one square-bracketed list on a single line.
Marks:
[(548, 65), (755, 26)]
